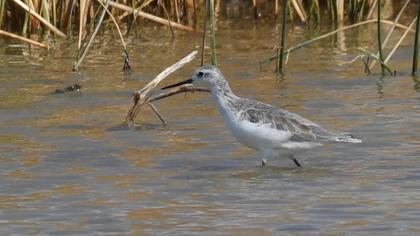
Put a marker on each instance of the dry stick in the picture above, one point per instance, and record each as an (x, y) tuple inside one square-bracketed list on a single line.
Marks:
[(180, 89), (388, 36), (42, 20), (291, 49), (149, 16), (170, 92), (142, 96), (83, 51), (127, 65), (157, 113), (23, 39), (400, 41)]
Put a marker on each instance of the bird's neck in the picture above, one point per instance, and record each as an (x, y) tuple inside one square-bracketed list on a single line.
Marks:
[(224, 97)]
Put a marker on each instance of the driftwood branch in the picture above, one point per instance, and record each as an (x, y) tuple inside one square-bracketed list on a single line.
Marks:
[(144, 95)]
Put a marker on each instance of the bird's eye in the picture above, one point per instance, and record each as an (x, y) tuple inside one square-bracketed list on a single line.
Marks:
[(200, 74)]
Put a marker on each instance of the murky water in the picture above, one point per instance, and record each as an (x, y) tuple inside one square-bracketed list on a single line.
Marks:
[(68, 166)]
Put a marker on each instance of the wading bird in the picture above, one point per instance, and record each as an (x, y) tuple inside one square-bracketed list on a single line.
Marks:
[(260, 126)]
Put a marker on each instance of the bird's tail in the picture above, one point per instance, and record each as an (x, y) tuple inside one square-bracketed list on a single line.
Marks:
[(346, 138), (337, 137)]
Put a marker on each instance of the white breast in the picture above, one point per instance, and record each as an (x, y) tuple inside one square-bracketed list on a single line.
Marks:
[(254, 135)]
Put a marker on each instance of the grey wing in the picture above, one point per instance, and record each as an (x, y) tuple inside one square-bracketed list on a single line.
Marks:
[(279, 119), (302, 129)]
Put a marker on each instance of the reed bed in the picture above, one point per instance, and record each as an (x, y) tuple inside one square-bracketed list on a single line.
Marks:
[(22, 19)]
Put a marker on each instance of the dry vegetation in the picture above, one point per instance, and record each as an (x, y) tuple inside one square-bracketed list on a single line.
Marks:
[(37, 21)]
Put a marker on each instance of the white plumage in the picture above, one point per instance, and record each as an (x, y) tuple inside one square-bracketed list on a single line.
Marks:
[(260, 126)]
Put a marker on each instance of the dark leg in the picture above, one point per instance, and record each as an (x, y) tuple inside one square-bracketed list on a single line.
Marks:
[(295, 161), (263, 162)]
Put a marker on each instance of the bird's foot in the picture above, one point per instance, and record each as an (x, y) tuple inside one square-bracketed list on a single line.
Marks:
[(263, 162), (296, 161)]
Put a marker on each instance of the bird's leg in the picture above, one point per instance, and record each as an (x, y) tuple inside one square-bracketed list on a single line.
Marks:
[(295, 160), (264, 159)]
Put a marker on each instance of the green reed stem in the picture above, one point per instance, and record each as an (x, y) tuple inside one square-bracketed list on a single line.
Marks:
[(416, 41), (54, 12), (26, 22), (213, 34), (3, 2), (203, 40), (381, 58), (279, 67), (301, 45), (361, 11), (391, 30), (372, 55), (45, 11)]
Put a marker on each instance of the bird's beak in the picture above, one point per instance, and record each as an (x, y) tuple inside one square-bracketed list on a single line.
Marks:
[(188, 81)]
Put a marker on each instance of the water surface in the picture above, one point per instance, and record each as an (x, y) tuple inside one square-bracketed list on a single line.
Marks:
[(68, 165)]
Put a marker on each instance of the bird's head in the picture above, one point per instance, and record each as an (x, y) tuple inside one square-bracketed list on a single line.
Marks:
[(207, 76)]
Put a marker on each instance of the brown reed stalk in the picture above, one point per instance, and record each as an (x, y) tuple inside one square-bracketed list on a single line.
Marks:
[(391, 30), (15, 36), (85, 47), (400, 41), (149, 16), (298, 6), (26, 23), (82, 21), (176, 11), (279, 67), (254, 6), (40, 18), (162, 3), (126, 66)]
